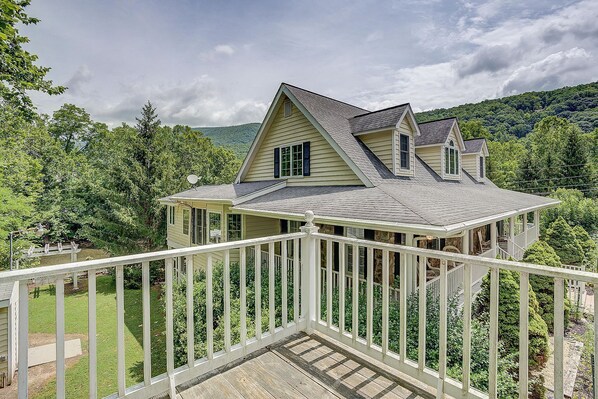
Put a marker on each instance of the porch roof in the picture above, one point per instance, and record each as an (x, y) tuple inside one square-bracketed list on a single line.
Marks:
[(423, 201), (224, 191)]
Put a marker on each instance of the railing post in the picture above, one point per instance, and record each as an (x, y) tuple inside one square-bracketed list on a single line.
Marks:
[(511, 241), (309, 263), (493, 239)]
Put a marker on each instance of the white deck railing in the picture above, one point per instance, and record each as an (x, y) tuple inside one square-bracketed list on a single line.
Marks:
[(315, 310), (351, 334), (152, 384)]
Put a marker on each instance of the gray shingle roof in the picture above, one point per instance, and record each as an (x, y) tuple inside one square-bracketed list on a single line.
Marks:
[(334, 117), (223, 191), (6, 291), (385, 118), (425, 199), (434, 132), (473, 146)]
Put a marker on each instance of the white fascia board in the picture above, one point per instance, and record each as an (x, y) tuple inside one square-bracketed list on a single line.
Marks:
[(179, 200), (259, 136), (409, 112), (259, 193), (429, 145), (329, 139), (459, 135), (495, 218)]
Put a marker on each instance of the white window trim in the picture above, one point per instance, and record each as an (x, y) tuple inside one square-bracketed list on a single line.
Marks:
[(409, 138), (171, 215), (242, 220), (188, 233), (291, 176), (222, 233), (445, 174)]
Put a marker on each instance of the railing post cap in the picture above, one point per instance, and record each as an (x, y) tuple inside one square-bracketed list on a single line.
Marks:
[(309, 218)]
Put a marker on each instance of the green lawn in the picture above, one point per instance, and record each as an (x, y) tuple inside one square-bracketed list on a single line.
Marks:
[(42, 320)]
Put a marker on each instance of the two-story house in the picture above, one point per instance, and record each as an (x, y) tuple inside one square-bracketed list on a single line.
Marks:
[(374, 175)]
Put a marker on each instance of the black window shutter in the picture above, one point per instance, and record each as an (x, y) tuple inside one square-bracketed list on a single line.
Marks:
[(284, 226), (306, 156), (276, 163)]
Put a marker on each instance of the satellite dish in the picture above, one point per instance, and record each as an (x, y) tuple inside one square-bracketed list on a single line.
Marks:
[(192, 179)]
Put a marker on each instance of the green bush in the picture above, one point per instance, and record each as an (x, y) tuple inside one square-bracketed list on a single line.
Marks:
[(588, 245), (543, 254), (508, 316), (199, 307), (562, 239)]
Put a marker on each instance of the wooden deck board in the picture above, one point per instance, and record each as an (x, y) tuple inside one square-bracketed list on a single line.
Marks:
[(300, 367)]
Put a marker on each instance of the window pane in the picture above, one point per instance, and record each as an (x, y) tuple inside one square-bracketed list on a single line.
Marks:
[(298, 160), (234, 228), (482, 167), (186, 217), (285, 161), (446, 161), (215, 230), (404, 153)]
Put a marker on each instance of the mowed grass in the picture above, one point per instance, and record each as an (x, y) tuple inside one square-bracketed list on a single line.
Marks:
[(42, 318)]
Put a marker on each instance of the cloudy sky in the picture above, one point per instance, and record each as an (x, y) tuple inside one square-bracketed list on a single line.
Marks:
[(217, 63)]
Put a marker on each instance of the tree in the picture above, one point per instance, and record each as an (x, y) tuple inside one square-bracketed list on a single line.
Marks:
[(561, 238), (71, 126), (474, 129), (577, 172), (574, 208), (541, 253), (508, 316), (18, 72), (588, 245)]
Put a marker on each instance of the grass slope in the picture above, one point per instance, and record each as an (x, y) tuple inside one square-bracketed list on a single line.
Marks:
[(42, 319), (238, 138)]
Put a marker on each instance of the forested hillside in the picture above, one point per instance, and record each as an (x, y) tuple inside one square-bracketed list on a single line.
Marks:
[(517, 115), (238, 138)]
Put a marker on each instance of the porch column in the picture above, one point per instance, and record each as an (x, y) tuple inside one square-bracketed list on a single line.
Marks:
[(411, 274), (309, 263), (493, 238), (465, 241), (537, 224), (510, 246), (525, 230)]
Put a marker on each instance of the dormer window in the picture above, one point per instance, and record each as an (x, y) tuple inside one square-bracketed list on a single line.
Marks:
[(404, 152), (288, 108), (451, 159), (482, 167)]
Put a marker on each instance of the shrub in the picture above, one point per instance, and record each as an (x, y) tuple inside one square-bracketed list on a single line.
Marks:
[(561, 238), (588, 245), (542, 254), (508, 316)]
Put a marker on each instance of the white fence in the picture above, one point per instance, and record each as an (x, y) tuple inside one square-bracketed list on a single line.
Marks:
[(312, 310)]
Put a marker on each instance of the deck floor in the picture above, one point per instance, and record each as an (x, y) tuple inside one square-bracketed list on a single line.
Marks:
[(300, 367)]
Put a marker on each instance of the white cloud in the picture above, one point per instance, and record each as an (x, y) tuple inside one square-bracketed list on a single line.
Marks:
[(226, 49), (78, 80), (553, 71)]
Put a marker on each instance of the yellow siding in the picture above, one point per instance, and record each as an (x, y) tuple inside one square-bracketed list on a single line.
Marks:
[(174, 232), (4, 339), (327, 167), (432, 156), (471, 164), (256, 227), (405, 128), (381, 145)]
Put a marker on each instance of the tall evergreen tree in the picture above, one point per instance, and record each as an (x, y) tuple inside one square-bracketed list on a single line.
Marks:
[(576, 173)]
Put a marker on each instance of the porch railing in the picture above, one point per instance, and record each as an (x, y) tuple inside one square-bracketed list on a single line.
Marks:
[(335, 313)]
